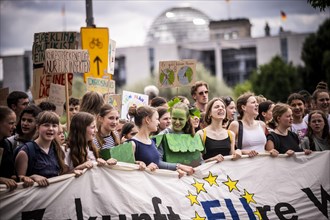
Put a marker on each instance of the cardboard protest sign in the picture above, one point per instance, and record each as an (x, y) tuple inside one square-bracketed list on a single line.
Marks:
[(57, 96), (56, 40), (132, 99), (176, 73), (100, 85), (112, 57), (66, 61), (38, 101), (42, 80), (114, 100), (4, 92)]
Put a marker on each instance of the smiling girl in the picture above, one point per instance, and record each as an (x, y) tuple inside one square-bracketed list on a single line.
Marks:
[(82, 152), (282, 139), (42, 158), (107, 135)]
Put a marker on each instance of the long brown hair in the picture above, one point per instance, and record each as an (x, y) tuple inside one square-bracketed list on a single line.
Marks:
[(325, 133), (207, 116), (77, 138), (52, 118), (242, 100), (106, 108)]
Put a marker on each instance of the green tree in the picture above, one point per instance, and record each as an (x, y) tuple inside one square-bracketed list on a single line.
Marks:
[(321, 4), (275, 80), (242, 88), (316, 56)]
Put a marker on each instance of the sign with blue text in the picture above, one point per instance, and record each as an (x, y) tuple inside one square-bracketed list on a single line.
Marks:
[(256, 188)]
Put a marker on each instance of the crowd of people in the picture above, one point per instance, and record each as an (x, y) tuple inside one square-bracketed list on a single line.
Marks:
[(167, 134)]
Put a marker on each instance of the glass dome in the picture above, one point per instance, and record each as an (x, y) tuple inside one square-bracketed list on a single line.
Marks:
[(178, 25)]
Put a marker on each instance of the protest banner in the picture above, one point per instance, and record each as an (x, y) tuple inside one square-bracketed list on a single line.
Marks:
[(56, 40), (4, 92), (132, 99), (176, 73), (66, 61), (42, 80), (57, 96), (102, 86), (249, 188), (114, 100)]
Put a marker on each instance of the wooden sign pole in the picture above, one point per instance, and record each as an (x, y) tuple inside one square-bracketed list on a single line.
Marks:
[(67, 105)]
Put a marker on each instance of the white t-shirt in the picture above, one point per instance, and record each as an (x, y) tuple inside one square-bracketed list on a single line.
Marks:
[(300, 129)]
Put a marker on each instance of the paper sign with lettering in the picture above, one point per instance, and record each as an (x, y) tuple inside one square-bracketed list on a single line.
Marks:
[(57, 96), (56, 40), (132, 99), (176, 73), (112, 56), (66, 61), (4, 92), (42, 80), (102, 86), (114, 100)]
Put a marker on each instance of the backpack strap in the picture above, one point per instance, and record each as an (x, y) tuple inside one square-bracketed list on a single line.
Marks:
[(240, 135), (230, 136), (204, 136)]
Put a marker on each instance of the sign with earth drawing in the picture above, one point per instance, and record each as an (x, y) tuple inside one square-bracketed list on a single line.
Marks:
[(176, 73)]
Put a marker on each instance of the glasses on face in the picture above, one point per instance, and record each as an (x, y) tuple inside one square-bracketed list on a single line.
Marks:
[(203, 92)]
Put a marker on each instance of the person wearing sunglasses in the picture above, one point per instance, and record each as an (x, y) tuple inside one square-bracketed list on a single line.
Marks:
[(200, 93)]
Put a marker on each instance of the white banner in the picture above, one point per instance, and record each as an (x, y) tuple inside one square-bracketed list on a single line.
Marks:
[(250, 188)]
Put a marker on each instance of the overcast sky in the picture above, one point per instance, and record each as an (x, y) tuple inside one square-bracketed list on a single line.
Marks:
[(128, 21)]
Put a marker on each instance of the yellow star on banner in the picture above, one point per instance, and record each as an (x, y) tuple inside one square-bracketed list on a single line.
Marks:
[(192, 198), (212, 180), (257, 213), (231, 184), (197, 217), (248, 197), (199, 186)]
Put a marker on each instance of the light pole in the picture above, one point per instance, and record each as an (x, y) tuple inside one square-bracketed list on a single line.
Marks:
[(89, 13)]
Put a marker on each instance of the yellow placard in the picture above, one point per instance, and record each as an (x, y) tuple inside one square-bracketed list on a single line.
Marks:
[(96, 41)]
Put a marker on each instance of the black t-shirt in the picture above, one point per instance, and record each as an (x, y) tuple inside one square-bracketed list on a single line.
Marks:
[(284, 143), (7, 166), (215, 147)]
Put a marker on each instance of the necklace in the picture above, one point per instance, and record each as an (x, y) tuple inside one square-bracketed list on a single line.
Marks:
[(284, 133)]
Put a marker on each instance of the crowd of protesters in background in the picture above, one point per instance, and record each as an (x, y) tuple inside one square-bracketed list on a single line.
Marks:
[(35, 145)]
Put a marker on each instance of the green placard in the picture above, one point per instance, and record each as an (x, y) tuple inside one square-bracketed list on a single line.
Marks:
[(123, 152)]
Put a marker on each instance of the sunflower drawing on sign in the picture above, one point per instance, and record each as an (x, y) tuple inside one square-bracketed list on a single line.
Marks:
[(166, 77), (185, 75)]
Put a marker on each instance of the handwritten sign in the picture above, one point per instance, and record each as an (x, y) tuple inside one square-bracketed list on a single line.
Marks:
[(100, 85), (42, 80), (57, 96), (177, 73), (4, 92), (112, 56), (114, 100), (131, 98), (56, 40), (66, 61)]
